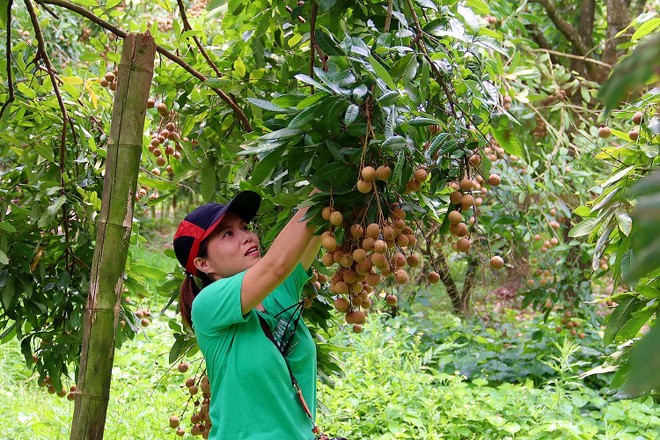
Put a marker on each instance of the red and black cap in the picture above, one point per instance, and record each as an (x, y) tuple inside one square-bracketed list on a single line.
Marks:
[(200, 223)]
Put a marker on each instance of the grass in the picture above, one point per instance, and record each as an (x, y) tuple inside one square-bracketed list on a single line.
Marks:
[(396, 385)]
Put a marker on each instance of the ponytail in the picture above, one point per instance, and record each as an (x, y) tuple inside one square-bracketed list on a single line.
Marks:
[(189, 288), (187, 293)]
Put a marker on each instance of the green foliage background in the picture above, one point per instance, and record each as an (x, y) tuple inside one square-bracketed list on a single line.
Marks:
[(448, 65)]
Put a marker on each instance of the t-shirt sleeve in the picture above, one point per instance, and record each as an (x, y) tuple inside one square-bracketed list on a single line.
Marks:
[(295, 282), (218, 305)]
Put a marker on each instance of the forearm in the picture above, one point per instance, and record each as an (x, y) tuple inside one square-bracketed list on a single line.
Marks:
[(290, 244), (311, 252), (284, 254)]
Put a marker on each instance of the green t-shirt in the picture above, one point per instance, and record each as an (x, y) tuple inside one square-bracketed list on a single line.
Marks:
[(252, 397)]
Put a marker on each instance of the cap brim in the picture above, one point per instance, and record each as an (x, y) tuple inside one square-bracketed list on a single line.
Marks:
[(245, 204)]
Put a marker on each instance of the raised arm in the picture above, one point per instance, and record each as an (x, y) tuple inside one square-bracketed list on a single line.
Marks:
[(294, 244)]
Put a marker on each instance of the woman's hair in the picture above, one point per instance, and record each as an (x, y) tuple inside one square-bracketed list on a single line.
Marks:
[(189, 288)]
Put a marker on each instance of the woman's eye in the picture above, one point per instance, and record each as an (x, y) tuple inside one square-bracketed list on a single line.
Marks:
[(227, 234)]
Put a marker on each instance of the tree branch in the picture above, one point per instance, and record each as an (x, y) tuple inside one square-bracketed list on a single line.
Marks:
[(167, 54), (187, 27), (315, 44), (43, 54), (575, 57), (10, 83), (571, 34), (420, 44), (388, 17)]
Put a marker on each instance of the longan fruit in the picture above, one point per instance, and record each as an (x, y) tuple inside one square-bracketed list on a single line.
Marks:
[(633, 134), (380, 246), (383, 172), (494, 180), (421, 175), (357, 231), (496, 262), (465, 184), (433, 277), (183, 367), (604, 131), (463, 245), (373, 231), (326, 212), (162, 109), (364, 186), (467, 201), (174, 421), (368, 173), (401, 276), (359, 255), (637, 118), (475, 160), (341, 304), (455, 217), (329, 243), (336, 218)]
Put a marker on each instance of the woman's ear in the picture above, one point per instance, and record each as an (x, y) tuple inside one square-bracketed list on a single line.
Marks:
[(201, 264)]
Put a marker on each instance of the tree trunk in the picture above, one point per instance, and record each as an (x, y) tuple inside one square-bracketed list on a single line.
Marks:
[(112, 237), (468, 284), (450, 285), (586, 29), (618, 17)]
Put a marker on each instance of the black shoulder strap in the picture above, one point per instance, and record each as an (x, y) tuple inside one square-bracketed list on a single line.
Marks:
[(294, 382)]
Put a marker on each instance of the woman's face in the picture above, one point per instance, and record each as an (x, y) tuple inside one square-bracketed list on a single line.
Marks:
[(231, 248)]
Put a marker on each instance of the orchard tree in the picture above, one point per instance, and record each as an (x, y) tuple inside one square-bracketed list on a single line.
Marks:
[(408, 115)]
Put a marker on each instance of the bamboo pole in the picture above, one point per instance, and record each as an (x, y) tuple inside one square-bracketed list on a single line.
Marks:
[(112, 237)]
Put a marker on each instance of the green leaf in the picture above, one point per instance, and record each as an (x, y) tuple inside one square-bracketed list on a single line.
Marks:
[(390, 123), (585, 227), (283, 133), (624, 221), (644, 363), (478, 6), (7, 227), (325, 5), (304, 117), (4, 260), (312, 82), (631, 73), (351, 115), (600, 245), (327, 43), (645, 29), (265, 167), (381, 72), (423, 122), (631, 328), (3, 13), (265, 147), (620, 316), (505, 136), (394, 143), (267, 105), (207, 185)]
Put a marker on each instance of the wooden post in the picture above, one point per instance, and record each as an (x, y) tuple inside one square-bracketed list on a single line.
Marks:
[(112, 237)]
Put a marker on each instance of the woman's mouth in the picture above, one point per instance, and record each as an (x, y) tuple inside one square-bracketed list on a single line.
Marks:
[(252, 251)]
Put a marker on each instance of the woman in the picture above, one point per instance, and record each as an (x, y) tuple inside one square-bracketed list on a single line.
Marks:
[(249, 303)]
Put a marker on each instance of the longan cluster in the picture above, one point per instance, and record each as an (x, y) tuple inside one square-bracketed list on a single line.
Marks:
[(110, 80), (165, 143), (200, 420), (367, 252), (46, 383), (466, 195), (143, 191)]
